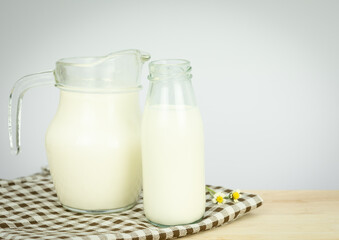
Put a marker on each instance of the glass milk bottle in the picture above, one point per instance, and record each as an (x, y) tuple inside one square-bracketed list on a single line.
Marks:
[(93, 142), (172, 147)]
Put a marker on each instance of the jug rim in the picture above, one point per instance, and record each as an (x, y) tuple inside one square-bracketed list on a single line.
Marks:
[(82, 61), (113, 72)]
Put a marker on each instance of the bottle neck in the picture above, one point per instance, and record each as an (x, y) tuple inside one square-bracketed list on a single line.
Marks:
[(170, 83), (171, 92)]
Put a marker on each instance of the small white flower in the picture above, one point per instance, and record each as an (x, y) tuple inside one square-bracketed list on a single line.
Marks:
[(235, 195), (219, 198)]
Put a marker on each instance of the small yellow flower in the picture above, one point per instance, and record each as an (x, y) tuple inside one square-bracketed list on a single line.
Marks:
[(219, 198), (235, 195)]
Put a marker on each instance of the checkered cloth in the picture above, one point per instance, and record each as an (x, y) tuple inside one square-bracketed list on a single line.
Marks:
[(29, 209)]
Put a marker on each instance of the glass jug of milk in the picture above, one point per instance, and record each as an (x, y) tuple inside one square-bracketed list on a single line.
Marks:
[(172, 147), (93, 143)]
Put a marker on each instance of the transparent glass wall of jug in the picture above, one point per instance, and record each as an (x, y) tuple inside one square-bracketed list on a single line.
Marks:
[(93, 142)]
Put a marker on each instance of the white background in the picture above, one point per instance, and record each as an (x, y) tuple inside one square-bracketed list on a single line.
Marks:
[(266, 77)]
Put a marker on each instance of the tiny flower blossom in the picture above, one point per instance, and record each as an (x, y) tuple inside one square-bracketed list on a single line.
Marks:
[(219, 198), (234, 195)]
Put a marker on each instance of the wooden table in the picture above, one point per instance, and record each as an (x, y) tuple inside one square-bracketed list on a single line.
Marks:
[(284, 215)]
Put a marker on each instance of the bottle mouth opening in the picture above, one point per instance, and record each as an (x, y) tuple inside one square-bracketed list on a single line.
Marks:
[(169, 68), (173, 62)]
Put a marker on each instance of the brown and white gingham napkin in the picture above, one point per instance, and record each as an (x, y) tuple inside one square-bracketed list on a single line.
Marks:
[(29, 209)]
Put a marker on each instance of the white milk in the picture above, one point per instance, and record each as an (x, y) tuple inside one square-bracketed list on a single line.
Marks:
[(173, 164), (93, 149)]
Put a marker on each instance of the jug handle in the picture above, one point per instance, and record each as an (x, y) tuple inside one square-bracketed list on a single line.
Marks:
[(15, 103)]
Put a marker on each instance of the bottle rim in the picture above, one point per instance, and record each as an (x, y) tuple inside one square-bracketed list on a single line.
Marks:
[(169, 68)]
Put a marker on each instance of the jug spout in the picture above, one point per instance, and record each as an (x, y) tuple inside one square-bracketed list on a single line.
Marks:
[(118, 71), (143, 56)]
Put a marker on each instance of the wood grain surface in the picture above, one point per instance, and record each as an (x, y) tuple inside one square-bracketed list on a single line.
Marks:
[(291, 215)]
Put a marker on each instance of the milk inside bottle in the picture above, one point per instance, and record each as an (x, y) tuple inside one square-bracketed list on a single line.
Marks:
[(172, 147)]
